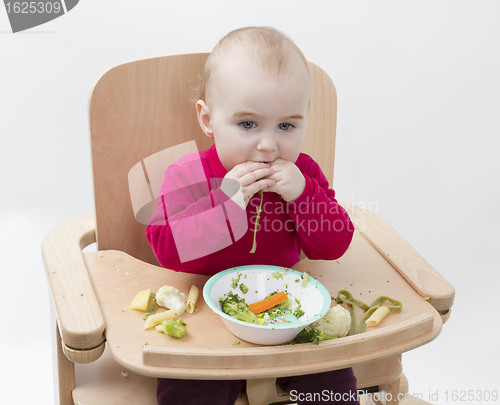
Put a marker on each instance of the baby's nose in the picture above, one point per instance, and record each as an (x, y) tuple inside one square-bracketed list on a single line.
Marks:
[(267, 144)]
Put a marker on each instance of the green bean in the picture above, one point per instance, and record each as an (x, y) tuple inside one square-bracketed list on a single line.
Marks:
[(362, 322), (353, 301), (254, 247), (353, 329), (370, 309), (395, 307)]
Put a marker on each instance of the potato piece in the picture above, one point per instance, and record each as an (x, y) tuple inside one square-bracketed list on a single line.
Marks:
[(156, 319), (140, 301)]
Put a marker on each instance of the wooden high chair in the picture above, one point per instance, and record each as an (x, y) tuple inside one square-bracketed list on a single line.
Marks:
[(136, 110)]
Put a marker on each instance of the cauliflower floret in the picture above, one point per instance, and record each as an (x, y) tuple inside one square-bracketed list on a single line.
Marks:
[(171, 298), (336, 322)]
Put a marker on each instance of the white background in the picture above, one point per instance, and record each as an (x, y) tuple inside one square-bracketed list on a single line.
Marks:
[(417, 142)]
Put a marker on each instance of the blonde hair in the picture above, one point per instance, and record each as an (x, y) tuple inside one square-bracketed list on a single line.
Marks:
[(272, 49)]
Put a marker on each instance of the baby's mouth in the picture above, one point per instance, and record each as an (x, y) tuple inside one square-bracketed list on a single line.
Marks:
[(267, 162)]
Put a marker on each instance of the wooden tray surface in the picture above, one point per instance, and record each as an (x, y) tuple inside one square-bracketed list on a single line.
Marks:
[(208, 349)]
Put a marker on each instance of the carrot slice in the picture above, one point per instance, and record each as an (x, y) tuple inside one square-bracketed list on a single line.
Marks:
[(269, 302)]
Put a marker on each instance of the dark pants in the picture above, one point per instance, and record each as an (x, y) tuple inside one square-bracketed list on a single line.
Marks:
[(332, 387)]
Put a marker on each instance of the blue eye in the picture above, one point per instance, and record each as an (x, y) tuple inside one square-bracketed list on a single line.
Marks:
[(284, 126), (247, 124)]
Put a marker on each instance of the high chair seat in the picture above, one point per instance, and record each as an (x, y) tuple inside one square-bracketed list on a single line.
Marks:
[(137, 110)]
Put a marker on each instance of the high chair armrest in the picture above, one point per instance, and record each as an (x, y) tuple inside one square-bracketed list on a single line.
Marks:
[(78, 313), (406, 260)]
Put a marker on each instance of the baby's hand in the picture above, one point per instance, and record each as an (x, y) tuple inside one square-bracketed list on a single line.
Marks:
[(250, 175), (289, 180)]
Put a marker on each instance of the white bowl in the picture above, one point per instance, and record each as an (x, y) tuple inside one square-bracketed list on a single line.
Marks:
[(262, 280)]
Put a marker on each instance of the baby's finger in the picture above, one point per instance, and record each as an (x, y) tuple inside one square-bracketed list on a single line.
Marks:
[(247, 167), (264, 184), (277, 176), (253, 188), (256, 175), (272, 187), (279, 162)]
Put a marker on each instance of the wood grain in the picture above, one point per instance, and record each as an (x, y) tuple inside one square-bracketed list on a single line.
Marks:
[(258, 357), (78, 314), (208, 350), (405, 259), (99, 381)]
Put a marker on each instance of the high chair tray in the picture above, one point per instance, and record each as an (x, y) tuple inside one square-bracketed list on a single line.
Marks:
[(208, 350)]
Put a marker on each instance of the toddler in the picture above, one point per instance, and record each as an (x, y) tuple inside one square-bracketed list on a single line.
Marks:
[(253, 103)]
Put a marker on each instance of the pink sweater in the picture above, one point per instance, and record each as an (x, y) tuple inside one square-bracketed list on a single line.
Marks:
[(206, 232)]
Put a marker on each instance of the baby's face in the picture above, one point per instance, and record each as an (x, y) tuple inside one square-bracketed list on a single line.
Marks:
[(257, 116)]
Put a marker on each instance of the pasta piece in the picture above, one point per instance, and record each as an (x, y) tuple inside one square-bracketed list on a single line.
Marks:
[(156, 319), (377, 316), (192, 298)]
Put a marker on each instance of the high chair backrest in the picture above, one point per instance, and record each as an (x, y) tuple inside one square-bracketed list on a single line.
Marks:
[(140, 108)]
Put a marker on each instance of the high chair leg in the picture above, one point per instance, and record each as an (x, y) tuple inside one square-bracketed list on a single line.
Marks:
[(64, 369), (392, 391), (261, 391)]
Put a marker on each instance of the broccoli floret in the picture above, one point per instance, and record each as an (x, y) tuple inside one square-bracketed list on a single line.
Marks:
[(243, 288), (298, 311), (172, 328), (280, 310), (310, 335), (235, 281), (236, 307), (285, 304), (305, 278)]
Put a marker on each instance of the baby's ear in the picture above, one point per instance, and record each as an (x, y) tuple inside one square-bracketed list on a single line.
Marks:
[(204, 118)]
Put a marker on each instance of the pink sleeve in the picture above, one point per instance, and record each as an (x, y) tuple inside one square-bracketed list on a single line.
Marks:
[(324, 227), (190, 220)]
